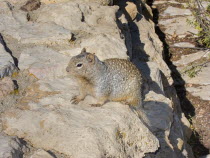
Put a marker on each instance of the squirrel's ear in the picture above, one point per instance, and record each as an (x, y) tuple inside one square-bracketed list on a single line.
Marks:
[(83, 50), (90, 58)]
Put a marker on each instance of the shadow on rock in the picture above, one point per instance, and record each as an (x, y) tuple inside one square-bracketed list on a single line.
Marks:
[(179, 84)]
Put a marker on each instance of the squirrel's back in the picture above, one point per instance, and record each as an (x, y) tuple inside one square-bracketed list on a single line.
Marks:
[(125, 80)]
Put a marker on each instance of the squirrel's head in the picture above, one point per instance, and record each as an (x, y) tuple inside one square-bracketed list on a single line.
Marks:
[(82, 65)]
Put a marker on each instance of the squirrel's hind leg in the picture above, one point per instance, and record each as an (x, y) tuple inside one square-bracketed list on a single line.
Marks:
[(100, 102)]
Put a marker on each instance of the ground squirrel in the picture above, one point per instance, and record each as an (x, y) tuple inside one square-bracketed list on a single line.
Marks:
[(108, 80)]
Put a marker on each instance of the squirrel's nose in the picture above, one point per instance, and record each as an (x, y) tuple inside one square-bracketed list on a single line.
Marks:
[(67, 69)]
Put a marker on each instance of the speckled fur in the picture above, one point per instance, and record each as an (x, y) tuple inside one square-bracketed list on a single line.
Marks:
[(108, 80)]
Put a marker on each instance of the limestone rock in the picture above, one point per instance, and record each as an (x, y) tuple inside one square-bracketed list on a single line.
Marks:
[(184, 44), (102, 2), (173, 26), (186, 59), (42, 33), (202, 78), (131, 9), (41, 154), (10, 147), (31, 5), (106, 46), (201, 91), (111, 130), (6, 86), (172, 11), (43, 63), (7, 66), (79, 16), (157, 111)]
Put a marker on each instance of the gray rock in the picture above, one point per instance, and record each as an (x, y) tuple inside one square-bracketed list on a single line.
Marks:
[(173, 11), (42, 33), (79, 16), (173, 26), (7, 66), (43, 62), (41, 154), (202, 78), (186, 59), (184, 44), (102, 2), (10, 147), (6, 86), (201, 91), (101, 131)]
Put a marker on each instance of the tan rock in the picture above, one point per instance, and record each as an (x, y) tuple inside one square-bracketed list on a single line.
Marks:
[(41, 154), (131, 9)]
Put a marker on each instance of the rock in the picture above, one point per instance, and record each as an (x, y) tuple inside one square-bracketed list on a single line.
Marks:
[(131, 9), (162, 2), (152, 76), (31, 5), (42, 33), (102, 2), (41, 154), (173, 11), (10, 147), (150, 47), (201, 91), (157, 112), (173, 26), (6, 86), (201, 123), (206, 156), (202, 78), (43, 63), (187, 59), (186, 127), (112, 47), (7, 66), (79, 16), (184, 44), (7, 21), (101, 131)]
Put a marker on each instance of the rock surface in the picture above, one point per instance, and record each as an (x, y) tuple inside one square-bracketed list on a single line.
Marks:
[(45, 38), (10, 147), (41, 154), (6, 87), (54, 119), (7, 66), (172, 11)]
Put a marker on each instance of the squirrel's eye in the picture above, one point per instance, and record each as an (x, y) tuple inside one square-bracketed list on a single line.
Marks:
[(79, 65)]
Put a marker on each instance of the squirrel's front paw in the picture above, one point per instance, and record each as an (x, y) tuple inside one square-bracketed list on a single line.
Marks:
[(75, 99)]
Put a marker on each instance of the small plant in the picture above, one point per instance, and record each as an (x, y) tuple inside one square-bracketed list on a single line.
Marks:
[(201, 22)]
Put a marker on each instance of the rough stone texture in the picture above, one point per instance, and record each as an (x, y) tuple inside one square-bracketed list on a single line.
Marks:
[(184, 44), (101, 131), (150, 47), (186, 59), (43, 62), (201, 91), (7, 66), (59, 30), (131, 9), (202, 78), (102, 2), (173, 26), (41, 154), (42, 33), (79, 16), (172, 11), (10, 147), (6, 86)]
